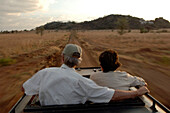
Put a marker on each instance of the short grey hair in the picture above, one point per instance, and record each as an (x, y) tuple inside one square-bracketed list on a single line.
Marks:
[(71, 61)]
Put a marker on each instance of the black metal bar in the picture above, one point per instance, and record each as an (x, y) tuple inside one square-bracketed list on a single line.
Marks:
[(87, 106), (14, 107), (153, 107), (158, 103)]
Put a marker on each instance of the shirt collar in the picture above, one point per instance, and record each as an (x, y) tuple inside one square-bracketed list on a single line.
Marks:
[(63, 66)]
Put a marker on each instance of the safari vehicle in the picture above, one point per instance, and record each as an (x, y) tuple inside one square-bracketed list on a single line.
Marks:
[(143, 104)]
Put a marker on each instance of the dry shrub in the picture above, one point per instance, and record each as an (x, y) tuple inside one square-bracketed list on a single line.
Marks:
[(6, 61)]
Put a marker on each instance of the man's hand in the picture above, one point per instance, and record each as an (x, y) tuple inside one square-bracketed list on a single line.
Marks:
[(142, 90), (120, 94)]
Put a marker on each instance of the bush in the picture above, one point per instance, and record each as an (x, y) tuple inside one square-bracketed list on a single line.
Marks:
[(143, 30), (129, 30), (163, 31), (121, 32), (7, 61)]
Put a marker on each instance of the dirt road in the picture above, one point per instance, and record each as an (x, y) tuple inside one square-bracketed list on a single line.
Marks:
[(88, 59)]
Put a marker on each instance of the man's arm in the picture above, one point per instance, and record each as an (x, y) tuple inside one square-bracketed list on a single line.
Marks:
[(32, 85), (120, 94)]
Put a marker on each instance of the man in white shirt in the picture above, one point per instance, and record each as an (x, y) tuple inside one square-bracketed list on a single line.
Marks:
[(63, 85), (111, 78)]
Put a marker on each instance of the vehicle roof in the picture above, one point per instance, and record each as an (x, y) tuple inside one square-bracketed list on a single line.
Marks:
[(137, 105)]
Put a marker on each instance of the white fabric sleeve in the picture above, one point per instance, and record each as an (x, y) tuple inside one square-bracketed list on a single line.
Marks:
[(95, 93), (31, 86), (136, 81)]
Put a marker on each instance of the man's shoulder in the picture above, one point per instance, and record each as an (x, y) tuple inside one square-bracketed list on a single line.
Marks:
[(123, 73), (50, 69), (96, 75)]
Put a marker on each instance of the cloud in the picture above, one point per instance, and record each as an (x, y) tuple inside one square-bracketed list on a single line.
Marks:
[(19, 6), (23, 6), (22, 14)]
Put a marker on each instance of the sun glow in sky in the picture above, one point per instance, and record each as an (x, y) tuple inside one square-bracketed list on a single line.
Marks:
[(28, 14)]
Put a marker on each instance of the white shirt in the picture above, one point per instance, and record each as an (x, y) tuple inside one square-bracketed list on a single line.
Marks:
[(117, 80), (64, 85)]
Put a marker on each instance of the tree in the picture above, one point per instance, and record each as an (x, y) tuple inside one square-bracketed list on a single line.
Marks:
[(122, 24), (39, 30)]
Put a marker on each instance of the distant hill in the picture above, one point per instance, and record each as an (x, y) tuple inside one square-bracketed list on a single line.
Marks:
[(110, 22)]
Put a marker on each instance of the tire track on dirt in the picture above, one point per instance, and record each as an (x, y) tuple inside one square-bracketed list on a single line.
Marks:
[(87, 59)]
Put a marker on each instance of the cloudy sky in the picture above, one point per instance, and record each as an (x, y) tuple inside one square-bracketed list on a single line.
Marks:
[(28, 14)]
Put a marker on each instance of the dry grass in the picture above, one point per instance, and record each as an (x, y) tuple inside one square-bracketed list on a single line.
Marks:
[(15, 44), (132, 44)]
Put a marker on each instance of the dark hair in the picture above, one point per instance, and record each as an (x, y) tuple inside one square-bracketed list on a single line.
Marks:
[(109, 60)]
